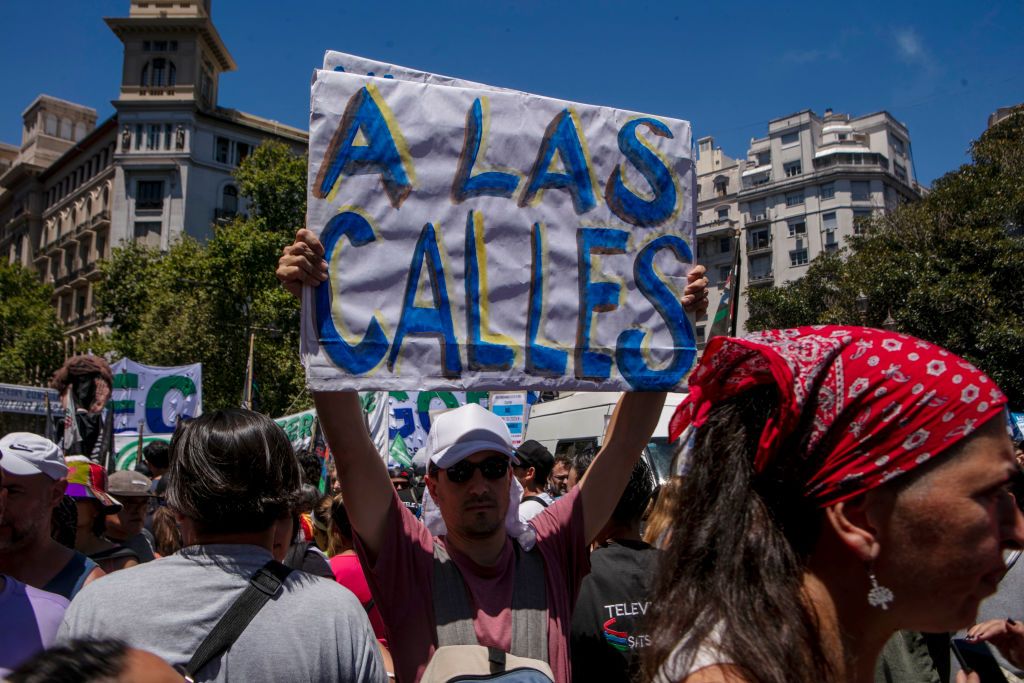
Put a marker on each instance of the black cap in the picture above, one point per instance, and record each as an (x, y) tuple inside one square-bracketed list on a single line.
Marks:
[(533, 454)]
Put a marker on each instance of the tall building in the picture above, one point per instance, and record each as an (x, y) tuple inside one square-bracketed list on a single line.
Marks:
[(802, 190), (160, 167)]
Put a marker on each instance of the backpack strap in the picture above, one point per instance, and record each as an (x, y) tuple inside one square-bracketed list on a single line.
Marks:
[(263, 585), (453, 612), (540, 500), (453, 615), (529, 606)]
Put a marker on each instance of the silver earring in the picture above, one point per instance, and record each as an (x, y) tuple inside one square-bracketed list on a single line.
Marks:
[(879, 596)]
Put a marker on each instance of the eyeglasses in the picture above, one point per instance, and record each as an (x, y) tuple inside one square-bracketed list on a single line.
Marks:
[(492, 468)]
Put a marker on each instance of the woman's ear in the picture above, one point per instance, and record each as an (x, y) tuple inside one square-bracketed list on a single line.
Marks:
[(851, 523)]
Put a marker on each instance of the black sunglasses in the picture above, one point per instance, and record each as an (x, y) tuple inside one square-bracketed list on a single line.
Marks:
[(492, 468)]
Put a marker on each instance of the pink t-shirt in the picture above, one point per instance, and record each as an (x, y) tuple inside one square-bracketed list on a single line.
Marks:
[(349, 573), (401, 583)]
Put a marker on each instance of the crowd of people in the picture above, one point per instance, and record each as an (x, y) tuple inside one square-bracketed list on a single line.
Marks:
[(842, 503)]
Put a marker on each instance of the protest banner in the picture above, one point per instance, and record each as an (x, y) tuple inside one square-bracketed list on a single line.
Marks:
[(489, 239), (409, 413), (152, 399), (512, 407), (299, 428), (126, 448), (38, 401)]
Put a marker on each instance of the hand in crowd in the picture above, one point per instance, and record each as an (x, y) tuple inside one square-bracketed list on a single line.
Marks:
[(1006, 634), (302, 263)]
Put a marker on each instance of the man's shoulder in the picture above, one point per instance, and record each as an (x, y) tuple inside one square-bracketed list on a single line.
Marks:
[(45, 600)]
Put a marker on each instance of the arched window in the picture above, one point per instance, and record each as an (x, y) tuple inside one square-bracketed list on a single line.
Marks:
[(229, 202), (105, 198), (65, 129)]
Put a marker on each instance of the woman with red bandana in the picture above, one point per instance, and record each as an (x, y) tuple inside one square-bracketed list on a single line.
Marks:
[(840, 483)]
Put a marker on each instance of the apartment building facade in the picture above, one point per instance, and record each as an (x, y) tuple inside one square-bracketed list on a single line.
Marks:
[(160, 167), (802, 190)]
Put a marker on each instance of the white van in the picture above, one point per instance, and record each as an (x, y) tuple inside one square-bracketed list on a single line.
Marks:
[(578, 419)]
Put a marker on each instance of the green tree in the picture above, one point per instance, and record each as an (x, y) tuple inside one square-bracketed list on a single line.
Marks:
[(31, 336), (199, 301), (949, 268)]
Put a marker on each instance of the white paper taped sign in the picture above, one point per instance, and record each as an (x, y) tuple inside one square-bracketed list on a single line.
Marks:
[(490, 239)]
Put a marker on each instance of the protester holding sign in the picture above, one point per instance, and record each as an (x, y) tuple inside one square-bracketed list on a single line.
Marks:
[(471, 517)]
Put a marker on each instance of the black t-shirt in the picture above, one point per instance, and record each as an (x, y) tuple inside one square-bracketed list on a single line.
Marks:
[(613, 600)]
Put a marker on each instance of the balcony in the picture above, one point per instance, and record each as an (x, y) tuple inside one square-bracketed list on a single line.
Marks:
[(101, 218), (759, 245), (725, 226), (760, 279), (222, 216), (754, 219)]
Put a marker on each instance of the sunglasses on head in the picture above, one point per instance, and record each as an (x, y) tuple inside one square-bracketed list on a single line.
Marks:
[(492, 468)]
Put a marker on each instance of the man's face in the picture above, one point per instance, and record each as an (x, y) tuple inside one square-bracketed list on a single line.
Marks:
[(559, 480), (29, 506), (129, 521), (474, 508), (524, 474), (943, 537)]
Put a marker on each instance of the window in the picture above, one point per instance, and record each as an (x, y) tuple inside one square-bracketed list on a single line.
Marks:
[(51, 125), (897, 145), (860, 221), (793, 168), (723, 273), (794, 198), (147, 233), (760, 239), (80, 303), (242, 150), (721, 187), (229, 200), (723, 214), (700, 333), (828, 222), (138, 136), (860, 190), (842, 136), (724, 245), (900, 170), (160, 46), (149, 195), (167, 136), (101, 246), (798, 257), (764, 158), (797, 228), (153, 136), (791, 138), (760, 267), (828, 191), (221, 149)]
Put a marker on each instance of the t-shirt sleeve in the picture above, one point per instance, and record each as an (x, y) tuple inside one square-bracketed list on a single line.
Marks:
[(400, 577), (561, 540)]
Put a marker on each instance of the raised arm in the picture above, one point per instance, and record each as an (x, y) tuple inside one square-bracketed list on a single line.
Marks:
[(365, 484), (631, 426), (363, 476)]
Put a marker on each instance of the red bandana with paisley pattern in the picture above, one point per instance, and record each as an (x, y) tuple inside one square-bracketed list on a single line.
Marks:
[(883, 403)]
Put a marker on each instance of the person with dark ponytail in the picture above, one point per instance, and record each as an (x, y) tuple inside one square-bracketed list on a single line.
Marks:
[(839, 483)]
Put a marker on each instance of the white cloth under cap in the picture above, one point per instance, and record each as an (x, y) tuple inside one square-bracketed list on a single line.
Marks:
[(25, 454), (468, 429)]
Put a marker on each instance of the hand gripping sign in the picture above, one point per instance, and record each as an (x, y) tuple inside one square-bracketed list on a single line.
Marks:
[(485, 239)]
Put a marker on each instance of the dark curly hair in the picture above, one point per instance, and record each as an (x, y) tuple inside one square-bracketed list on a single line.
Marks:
[(80, 661), (233, 471)]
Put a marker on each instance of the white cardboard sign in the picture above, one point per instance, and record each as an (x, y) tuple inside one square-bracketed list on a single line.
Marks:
[(492, 239)]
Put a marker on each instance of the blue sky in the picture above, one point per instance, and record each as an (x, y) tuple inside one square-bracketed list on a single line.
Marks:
[(940, 67)]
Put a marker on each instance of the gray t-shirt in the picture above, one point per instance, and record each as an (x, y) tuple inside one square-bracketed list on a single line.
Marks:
[(314, 630)]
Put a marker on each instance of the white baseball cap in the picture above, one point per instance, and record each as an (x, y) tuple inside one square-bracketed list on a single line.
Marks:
[(25, 454), (466, 430)]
